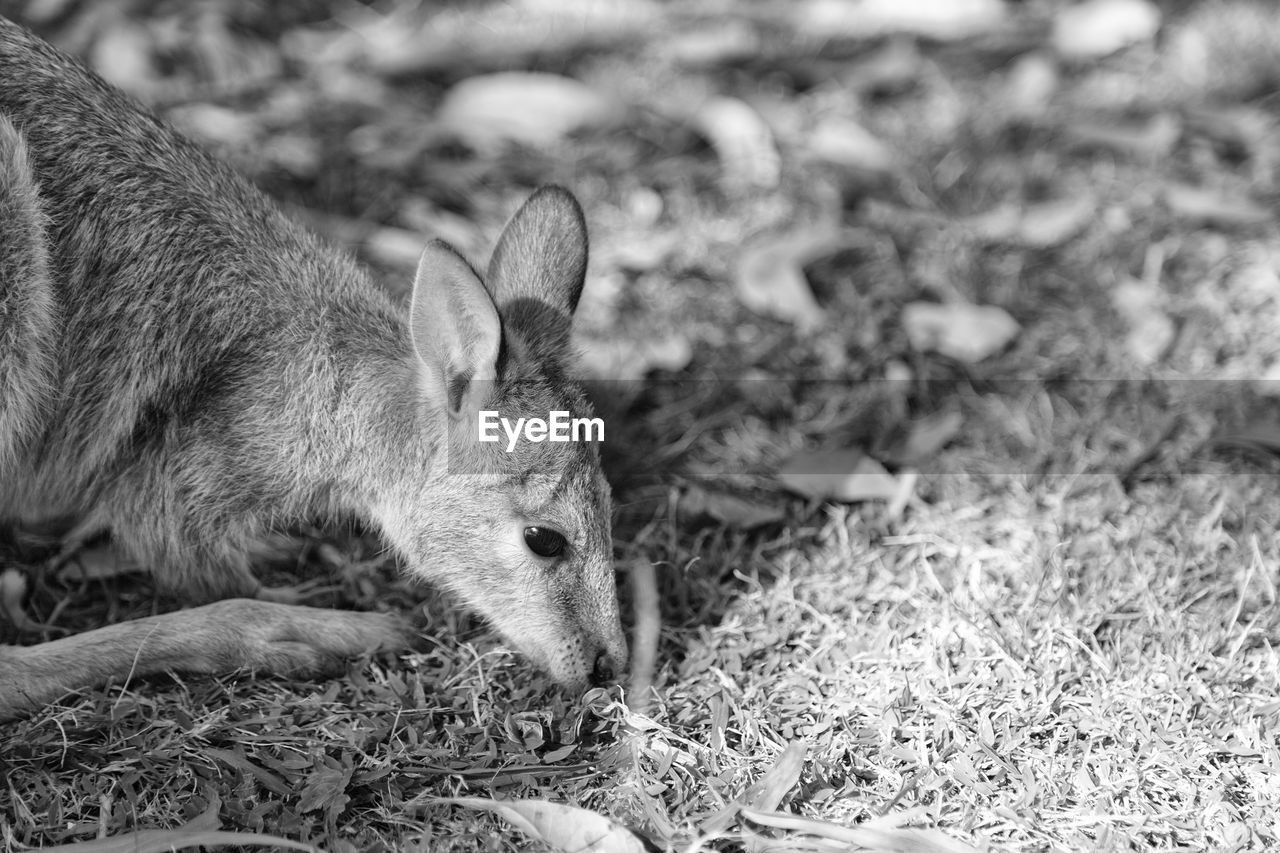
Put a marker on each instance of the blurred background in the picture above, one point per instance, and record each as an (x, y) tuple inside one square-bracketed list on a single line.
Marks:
[(877, 225)]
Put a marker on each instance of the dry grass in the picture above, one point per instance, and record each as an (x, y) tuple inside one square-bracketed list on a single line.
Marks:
[(1066, 642)]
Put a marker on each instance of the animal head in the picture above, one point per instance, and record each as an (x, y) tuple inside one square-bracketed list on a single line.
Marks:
[(519, 529)]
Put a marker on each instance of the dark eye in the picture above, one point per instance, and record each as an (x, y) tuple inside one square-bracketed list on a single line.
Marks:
[(544, 541)]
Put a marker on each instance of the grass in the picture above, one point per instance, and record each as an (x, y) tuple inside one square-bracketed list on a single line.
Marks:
[(1065, 642)]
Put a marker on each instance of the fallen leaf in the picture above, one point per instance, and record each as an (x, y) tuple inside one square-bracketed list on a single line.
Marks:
[(943, 20), (1037, 226), (1141, 305), (843, 142), (959, 330), (730, 509), (1030, 85), (743, 141), (646, 606), (844, 475), (565, 828), (1208, 207), (527, 107), (1053, 223), (924, 438), (770, 277), (1096, 28)]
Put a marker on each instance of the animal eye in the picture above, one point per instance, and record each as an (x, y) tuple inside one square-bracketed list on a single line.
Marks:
[(544, 541)]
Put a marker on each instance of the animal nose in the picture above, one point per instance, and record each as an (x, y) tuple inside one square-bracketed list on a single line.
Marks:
[(605, 671)]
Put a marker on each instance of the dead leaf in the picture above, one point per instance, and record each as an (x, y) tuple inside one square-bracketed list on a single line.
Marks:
[(1036, 226), (1211, 208), (1141, 305), (1053, 223), (844, 142), (565, 828), (1030, 85), (958, 330), (1096, 28), (943, 20), (924, 438), (643, 578), (770, 277), (743, 141), (844, 475), (730, 509), (526, 107)]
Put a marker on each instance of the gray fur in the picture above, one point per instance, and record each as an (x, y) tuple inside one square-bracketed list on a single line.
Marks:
[(183, 366)]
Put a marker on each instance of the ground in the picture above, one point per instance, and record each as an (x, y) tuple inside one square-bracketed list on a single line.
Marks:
[(1051, 625)]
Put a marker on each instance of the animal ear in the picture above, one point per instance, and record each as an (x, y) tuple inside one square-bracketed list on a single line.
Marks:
[(453, 324), (542, 253), (537, 271)]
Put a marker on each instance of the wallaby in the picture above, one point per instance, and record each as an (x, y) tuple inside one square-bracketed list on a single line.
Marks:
[(187, 369)]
